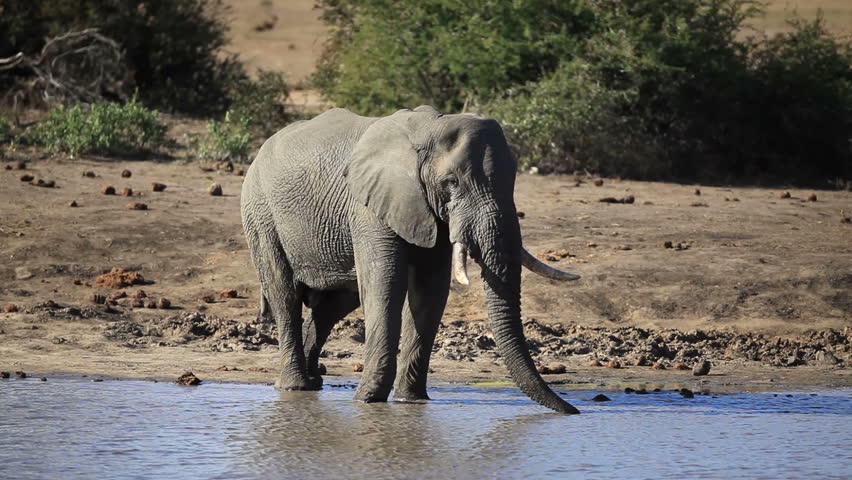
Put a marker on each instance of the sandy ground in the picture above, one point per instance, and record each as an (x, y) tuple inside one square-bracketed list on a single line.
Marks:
[(749, 262)]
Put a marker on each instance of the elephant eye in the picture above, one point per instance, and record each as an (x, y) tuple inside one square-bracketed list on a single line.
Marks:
[(449, 182)]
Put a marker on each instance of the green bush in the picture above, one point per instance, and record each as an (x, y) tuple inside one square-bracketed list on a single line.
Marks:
[(105, 128), (229, 139), (640, 88), (173, 47), (261, 103)]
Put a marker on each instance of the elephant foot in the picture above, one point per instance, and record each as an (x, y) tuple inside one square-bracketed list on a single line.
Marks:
[(288, 384), (368, 394), (410, 395)]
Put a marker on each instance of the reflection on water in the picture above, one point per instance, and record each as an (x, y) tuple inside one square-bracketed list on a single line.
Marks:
[(133, 429)]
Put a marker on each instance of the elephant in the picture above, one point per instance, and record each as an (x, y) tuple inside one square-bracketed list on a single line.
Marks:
[(342, 211)]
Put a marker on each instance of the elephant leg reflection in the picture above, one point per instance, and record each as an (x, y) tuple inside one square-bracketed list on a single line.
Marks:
[(428, 277), (327, 308)]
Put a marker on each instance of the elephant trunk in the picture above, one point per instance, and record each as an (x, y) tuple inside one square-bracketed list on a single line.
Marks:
[(500, 259)]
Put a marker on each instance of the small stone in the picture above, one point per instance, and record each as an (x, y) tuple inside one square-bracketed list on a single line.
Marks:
[(228, 293), (5, 375), (701, 368), (240, 172), (614, 364), (591, 244), (127, 192), (27, 178), (20, 374), (98, 299), (151, 304), (10, 308), (77, 281), (812, 197), (641, 391), (668, 244), (21, 165), (115, 296), (629, 390), (659, 366), (158, 187), (697, 192), (358, 367), (108, 190), (322, 369), (551, 369), (208, 299), (89, 174), (139, 294), (686, 393), (73, 203), (595, 363), (188, 378), (43, 379), (215, 190), (641, 361), (600, 398), (599, 182), (164, 303), (97, 380), (785, 195), (23, 273), (126, 173), (137, 303), (680, 366), (137, 206)]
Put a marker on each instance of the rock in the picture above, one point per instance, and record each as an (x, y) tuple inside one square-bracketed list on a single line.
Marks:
[(97, 380), (551, 369), (641, 391), (137, 206), (521, 214), (697, 192), (686, 393), (115, 296), (137, 303), (188, 378), (614, 364), (5, 375), (73, 203), (240, 172), (228, 293), (659, 366), (215, 190), (785, 195), (208, 299), (641, 361), (27, 178), (628, 199), (225, 368), (22, 273), (10, 308), (668, 244), (43, 379), (98, 299), (826, 358), (698, 204), (599, 182), (20, 165), (701, 368), (158, 187), (358, 367), (119, 278), (127, 192), (20, 374), (164, 303), (151, 304), (600, 398), (139, 294), (595, 363), (126, 173), (322, 369), (629, 390), (812, 197), (680, 366), (108, 190), (89, 174)]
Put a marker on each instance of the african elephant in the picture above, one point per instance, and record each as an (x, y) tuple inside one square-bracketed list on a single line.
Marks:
[(343, 210)]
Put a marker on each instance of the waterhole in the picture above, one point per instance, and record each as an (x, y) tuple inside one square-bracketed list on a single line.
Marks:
[(78, 429)]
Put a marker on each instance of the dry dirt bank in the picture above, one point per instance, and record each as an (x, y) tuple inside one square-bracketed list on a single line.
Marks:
[(760, 285)]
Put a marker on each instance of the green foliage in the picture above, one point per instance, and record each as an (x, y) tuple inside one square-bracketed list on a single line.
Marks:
[(229, 139), (174, 47), (5, 129), (442, 52), (641, 88), (106, 128), (260, 103)]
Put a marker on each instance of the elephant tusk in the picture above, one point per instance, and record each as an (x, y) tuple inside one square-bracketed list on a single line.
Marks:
[(535, 265), (460, 263)]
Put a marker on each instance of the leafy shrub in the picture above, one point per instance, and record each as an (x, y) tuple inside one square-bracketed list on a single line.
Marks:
[(261, 103), (174, 47), (105, 128), (229, 139)]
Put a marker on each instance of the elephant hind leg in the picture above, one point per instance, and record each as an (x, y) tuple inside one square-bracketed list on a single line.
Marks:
[(280, 300), (327, 308)]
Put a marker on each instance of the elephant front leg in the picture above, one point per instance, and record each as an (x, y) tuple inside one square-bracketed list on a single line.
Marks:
[(428, 288), (382, 278)]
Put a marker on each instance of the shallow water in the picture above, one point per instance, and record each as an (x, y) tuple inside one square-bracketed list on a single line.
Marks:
[(73, 428)]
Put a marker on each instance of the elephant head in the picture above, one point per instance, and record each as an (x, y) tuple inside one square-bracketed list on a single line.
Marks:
[(418, 170)]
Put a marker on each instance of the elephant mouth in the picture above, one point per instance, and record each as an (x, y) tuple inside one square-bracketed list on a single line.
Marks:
[(528, 260)]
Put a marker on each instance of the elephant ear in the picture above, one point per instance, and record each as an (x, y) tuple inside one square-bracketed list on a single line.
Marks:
[(384, 174)]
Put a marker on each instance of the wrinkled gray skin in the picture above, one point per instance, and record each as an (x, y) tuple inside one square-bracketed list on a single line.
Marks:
[(343, 209)]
